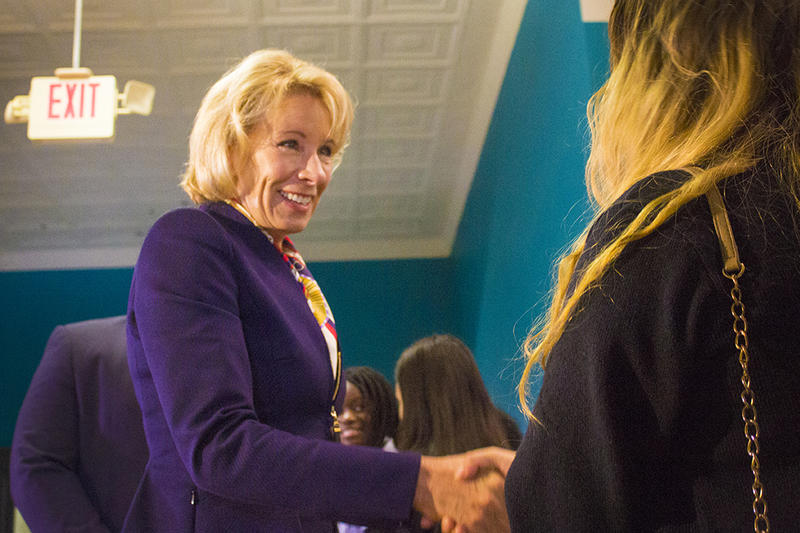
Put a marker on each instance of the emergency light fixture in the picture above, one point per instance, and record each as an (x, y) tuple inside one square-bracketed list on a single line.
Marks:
[(75, 104)]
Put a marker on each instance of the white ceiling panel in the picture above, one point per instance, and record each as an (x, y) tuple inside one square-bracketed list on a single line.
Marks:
[(425, 75)]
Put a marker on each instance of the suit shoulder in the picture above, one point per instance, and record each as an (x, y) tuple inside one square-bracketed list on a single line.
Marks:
[(182, 227), (88, 339), (183, 219)]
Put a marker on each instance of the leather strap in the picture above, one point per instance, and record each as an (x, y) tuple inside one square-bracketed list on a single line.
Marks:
[(733, 269), (722, 225)]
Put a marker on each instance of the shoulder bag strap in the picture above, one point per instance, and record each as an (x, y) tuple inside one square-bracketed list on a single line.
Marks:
[(733, 268)]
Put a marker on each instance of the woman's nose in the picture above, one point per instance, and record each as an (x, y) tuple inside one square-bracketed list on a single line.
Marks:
[(314, 170)]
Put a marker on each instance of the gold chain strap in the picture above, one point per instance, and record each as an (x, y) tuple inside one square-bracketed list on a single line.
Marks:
[(733, 269), (749, 416)]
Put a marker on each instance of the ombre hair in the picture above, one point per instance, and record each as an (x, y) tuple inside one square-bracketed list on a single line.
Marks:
[(707, 87), (243, 99)]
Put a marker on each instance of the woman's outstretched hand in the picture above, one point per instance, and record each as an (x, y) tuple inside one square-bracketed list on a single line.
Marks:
[(493, 457), (466, 491)]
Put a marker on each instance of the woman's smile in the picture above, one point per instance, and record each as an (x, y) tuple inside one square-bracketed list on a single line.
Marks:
[(300, 199), (281, 183)]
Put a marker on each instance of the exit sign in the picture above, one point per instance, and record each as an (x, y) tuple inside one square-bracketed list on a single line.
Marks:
[(72, 107)]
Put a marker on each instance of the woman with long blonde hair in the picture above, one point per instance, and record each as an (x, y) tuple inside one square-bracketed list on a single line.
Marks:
[(638, 425)]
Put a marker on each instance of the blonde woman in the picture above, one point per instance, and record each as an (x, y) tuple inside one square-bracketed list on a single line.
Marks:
[(232, 346), (638, 425)]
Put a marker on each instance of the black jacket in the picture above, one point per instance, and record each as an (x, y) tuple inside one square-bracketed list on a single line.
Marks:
[(640, 405)]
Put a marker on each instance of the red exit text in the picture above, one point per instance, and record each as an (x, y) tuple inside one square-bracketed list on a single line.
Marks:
[(72, 100)]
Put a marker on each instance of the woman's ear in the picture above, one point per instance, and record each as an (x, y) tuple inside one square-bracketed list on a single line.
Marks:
[(238, 162)]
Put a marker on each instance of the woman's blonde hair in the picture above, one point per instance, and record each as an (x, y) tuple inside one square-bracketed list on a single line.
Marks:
[(239, 102), (708, 87)]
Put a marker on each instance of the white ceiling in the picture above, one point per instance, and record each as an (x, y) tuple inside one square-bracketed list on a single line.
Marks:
[(425, 74)]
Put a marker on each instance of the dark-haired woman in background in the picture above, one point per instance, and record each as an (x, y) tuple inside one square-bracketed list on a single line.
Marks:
[(638, 425), (444, 405), (369, 416)]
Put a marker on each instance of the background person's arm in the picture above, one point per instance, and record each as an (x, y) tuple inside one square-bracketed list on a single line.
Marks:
[(45, 485)]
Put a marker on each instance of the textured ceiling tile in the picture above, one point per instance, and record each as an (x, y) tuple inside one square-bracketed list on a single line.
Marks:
[(335, 207), (16, 16), (317, 8), (16, 189), (415, 7), (402, 205), (60, 15), (397, 151), (349, 78), (341, 230), (390, 120), (389, 85), (59, 227), (344, 179), (388, 227), (183, 93), (411, 42), (422, 111), (212, 50), (323, 44), (394, 180), (138, 135), (26, 54), (182, 13), (106, 52)]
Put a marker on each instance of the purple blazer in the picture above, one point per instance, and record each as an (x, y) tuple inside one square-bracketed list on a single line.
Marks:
[(235, 382), (78, 449)]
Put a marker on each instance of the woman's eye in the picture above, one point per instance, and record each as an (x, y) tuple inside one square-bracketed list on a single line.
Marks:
[(326, 151), (291, 144)]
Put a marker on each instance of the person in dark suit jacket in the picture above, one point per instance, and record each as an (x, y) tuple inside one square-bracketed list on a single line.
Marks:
[(233, 348), (79, 449)]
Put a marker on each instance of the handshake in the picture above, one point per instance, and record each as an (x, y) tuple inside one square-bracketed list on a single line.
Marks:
[(465, 492)]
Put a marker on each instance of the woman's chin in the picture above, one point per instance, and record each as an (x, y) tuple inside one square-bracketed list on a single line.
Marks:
[(351, 438)]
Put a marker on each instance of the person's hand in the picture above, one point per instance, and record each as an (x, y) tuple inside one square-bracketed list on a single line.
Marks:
[(475, 462), (485, 458), (473, 503)]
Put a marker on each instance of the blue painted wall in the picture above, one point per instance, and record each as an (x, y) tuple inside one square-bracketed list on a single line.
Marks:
[(526, 198), (380, 308), (33, 304)]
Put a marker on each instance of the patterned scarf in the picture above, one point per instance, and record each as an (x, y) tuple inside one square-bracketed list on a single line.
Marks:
[(316, 300)]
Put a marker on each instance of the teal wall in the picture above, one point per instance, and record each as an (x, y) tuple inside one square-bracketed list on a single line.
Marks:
[(380, 308), (33, 304), (526, 202)]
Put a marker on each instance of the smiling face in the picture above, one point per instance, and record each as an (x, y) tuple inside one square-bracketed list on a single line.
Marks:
[(357, 419), (281, 184)]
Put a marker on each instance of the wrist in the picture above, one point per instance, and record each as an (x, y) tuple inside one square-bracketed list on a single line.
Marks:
[(424, 502)]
